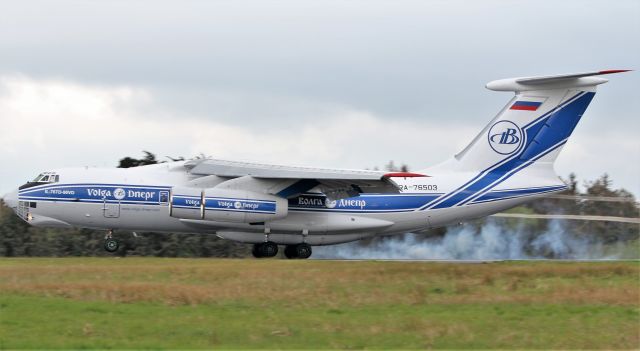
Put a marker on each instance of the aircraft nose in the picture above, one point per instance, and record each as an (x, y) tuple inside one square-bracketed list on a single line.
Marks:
[(11, 199)]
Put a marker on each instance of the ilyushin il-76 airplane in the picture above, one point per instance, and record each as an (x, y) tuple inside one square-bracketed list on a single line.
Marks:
[(509, 162)]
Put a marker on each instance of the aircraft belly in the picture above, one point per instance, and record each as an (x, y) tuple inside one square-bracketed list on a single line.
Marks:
[(328, 223), (292, 239), (299, 223)]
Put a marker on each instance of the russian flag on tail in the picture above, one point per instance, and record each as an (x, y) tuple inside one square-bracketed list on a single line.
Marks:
[(525, 105)]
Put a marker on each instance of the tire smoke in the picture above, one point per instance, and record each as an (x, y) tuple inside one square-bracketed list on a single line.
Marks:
[(471, 242)]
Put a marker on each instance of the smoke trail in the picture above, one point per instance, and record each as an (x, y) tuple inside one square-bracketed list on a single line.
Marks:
[(491, 241)]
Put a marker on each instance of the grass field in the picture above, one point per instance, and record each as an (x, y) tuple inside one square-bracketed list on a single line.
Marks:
[(210, 303)]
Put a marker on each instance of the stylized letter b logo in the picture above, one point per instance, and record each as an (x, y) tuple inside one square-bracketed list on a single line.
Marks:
[(509, 137), (505, 137)]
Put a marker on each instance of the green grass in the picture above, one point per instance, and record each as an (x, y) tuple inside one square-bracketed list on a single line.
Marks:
[(240, 304)]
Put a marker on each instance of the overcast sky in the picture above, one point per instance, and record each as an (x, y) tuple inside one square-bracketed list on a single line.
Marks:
[(331, 83)]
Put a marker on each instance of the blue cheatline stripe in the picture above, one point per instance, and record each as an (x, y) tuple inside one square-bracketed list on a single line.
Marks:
[(236, 199), (239, 205), (539, 139), (530, 188), (513, 171), (497, 195), (378, 203), (240, 210), (504, 194), (65, 199), (70, 185), (129, 194), (514, 197), (332, 210), (390, 203), (93, 201), (180, 201)]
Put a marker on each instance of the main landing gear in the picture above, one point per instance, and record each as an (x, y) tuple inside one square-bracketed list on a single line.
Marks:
[(297, 251), (270, 249), (266, 249), (110, 244)]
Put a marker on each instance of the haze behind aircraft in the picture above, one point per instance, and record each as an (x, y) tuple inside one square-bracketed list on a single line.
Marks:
[(508, 163)]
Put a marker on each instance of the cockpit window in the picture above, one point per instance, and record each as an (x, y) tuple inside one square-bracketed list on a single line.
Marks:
[(46, 177), (42, 178)]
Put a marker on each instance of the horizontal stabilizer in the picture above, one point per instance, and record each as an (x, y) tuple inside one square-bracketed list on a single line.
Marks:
[(561, 81)]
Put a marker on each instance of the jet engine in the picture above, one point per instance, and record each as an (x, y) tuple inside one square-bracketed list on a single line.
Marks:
[(226, 205)]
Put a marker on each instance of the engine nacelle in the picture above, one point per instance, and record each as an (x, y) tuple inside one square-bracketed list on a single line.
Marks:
[(241, 206), (186, 203), (226, 205)]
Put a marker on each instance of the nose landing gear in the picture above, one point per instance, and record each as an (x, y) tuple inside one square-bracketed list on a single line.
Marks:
[(110, 244)]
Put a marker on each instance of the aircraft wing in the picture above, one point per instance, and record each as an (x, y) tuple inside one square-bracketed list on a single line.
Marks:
[(335, 183)]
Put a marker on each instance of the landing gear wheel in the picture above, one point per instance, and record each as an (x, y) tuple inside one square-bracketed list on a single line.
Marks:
[(290, 252), (297, 251), (268, 249), (303, 250), (111, 245), (255, 251)]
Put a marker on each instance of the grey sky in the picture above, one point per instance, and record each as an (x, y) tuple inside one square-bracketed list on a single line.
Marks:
[(288, 68)]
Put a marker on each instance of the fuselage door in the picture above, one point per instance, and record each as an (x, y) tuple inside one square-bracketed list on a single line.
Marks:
[(110, 209)]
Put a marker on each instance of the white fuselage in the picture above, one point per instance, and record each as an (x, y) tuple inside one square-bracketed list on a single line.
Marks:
[(138, 199)]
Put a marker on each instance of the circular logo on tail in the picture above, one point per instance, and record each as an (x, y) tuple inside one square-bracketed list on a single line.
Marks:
[(505, 137)]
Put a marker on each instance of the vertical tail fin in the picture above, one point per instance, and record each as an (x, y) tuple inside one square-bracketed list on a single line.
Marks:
[(529, 131), (535, 124)]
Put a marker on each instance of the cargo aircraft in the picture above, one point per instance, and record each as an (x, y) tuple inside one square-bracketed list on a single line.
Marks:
[(509, 162)]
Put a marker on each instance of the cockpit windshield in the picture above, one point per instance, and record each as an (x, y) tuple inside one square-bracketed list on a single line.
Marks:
[(47, 177), (42, 178)]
